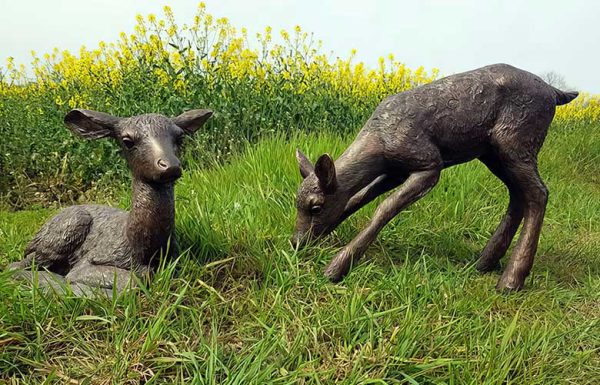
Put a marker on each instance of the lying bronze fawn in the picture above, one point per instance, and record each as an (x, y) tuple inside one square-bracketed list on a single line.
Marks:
[(498, 114), (92, 246)]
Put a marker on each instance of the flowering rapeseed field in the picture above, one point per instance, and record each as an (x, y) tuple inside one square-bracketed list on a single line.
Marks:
[(172, 58), (257, 85)]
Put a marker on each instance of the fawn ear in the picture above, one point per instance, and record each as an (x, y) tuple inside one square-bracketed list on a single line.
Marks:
[(325, 171), (305, 166), (191, 121), (91, 124)]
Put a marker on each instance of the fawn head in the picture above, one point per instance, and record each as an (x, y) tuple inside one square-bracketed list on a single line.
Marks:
[(150, 142), (320, 202)]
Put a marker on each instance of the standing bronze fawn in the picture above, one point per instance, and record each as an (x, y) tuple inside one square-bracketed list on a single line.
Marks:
[(498, 114), (92, 246)]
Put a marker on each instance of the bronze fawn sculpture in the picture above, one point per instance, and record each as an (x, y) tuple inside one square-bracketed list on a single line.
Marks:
[(94, 246), (498, 114)]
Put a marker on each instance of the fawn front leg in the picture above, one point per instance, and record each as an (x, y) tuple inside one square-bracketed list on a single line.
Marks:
[(101, 276), (417, 185)]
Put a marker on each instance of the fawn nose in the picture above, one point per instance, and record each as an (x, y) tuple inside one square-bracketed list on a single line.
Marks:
[(170, 169), (297, 240), (294, 241)]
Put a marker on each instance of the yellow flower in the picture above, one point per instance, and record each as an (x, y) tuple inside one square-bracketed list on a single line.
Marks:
[(170, 54), (168, 12)]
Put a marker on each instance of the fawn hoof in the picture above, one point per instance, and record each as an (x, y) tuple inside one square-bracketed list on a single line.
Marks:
[(484, 265), (334, 274), (337, 268), (509, 284), (19, 265)]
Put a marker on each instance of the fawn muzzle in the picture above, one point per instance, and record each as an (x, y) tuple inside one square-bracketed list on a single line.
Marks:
[(168, 169)]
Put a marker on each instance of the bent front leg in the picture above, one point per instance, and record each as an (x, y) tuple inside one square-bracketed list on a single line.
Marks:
[(416, 186), (380, 185), (102, 276)]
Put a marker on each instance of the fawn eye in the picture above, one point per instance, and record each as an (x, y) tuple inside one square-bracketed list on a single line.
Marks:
[(128, 142), (314, 210), (179, 139)]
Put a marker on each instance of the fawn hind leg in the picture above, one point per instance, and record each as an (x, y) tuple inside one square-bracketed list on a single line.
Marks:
[(498, 244), (25, 263), (41, 278), (53, 264), (517, 140), (55, 245), (535, 196), (49, 281)]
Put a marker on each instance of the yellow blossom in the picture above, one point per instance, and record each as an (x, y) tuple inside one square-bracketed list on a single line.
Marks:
[(168, 12), (171, 55)]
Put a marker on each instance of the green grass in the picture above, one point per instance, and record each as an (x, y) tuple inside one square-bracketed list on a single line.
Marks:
[(241, 306)]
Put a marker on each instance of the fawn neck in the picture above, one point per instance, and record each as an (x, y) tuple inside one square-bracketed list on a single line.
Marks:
[(359, 165), (151, 219)]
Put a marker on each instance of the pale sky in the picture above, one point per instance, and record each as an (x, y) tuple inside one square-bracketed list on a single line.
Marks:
[(454, 36)]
